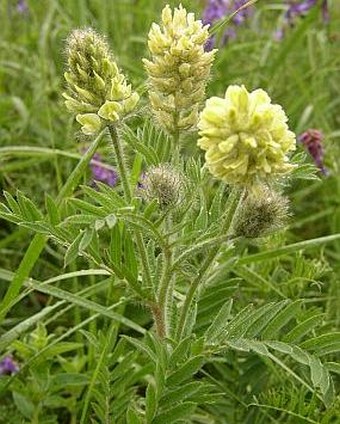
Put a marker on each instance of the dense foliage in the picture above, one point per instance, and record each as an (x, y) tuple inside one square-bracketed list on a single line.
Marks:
[(143, 281)]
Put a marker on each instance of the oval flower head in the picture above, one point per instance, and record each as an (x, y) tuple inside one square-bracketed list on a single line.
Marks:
[(96, 91), (179, 68), (245, 136)]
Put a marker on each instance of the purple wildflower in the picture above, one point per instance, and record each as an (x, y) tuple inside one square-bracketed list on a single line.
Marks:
[(312, 141), (101, 172), (297, 9), (219, 9), (22, 7), (8, 366)]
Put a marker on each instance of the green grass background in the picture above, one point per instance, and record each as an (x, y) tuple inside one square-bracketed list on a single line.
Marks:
[(301, 73)]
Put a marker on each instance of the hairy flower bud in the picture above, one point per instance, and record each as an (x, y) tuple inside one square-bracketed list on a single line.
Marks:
[(246, 138), (164, 184), (96, 91), (261, 213), (179, 69)]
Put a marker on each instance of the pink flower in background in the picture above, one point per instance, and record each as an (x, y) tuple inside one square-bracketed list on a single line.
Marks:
[(312, 140)]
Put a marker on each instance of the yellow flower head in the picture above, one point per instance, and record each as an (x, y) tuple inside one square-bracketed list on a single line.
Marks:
[(179, 68), (246, 138), (96, 91)]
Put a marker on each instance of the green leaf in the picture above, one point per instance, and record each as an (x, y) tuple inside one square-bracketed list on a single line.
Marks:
[(52, 210), (324, 344), (218, 325), (86, 239), (216, 204), (72, 251), (285, 250), (88, 208), (62, 381), (281, 319), (79, 219), (25, 405), (186, 371), (38, 227), (111, 221), (7, 338), (142, 347), (150, 403), (28, 209), (179, 412), (179, 394), (146, 151), (319, 375), (180, 352), (303, 328), (263, 316), (333, 367), (239, 323), (132, 417), (12, 203)]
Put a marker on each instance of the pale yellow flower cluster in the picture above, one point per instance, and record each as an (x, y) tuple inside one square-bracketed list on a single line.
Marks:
[(96, 91), (245, 136), (178, 70)]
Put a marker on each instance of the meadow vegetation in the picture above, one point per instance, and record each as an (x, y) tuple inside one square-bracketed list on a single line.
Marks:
[(142, 281)]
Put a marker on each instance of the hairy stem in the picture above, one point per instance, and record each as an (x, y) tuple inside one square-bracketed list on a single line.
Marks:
[(159, 321), (144, 258), (164, 295), (119, 152)]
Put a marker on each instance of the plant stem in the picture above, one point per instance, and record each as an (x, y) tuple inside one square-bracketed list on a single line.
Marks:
[(158, 320), (164, 294), (166, 287), (232, 210), (119, 152), (144, 258)]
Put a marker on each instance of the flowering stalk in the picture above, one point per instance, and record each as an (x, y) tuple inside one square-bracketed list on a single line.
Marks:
[(178, 70), (96, 91)]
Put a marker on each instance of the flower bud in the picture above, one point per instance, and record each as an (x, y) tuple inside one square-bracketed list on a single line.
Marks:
[(312, 140), (96, 92), (178, 70), (246, 138), (261, 213), (163, 184)]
